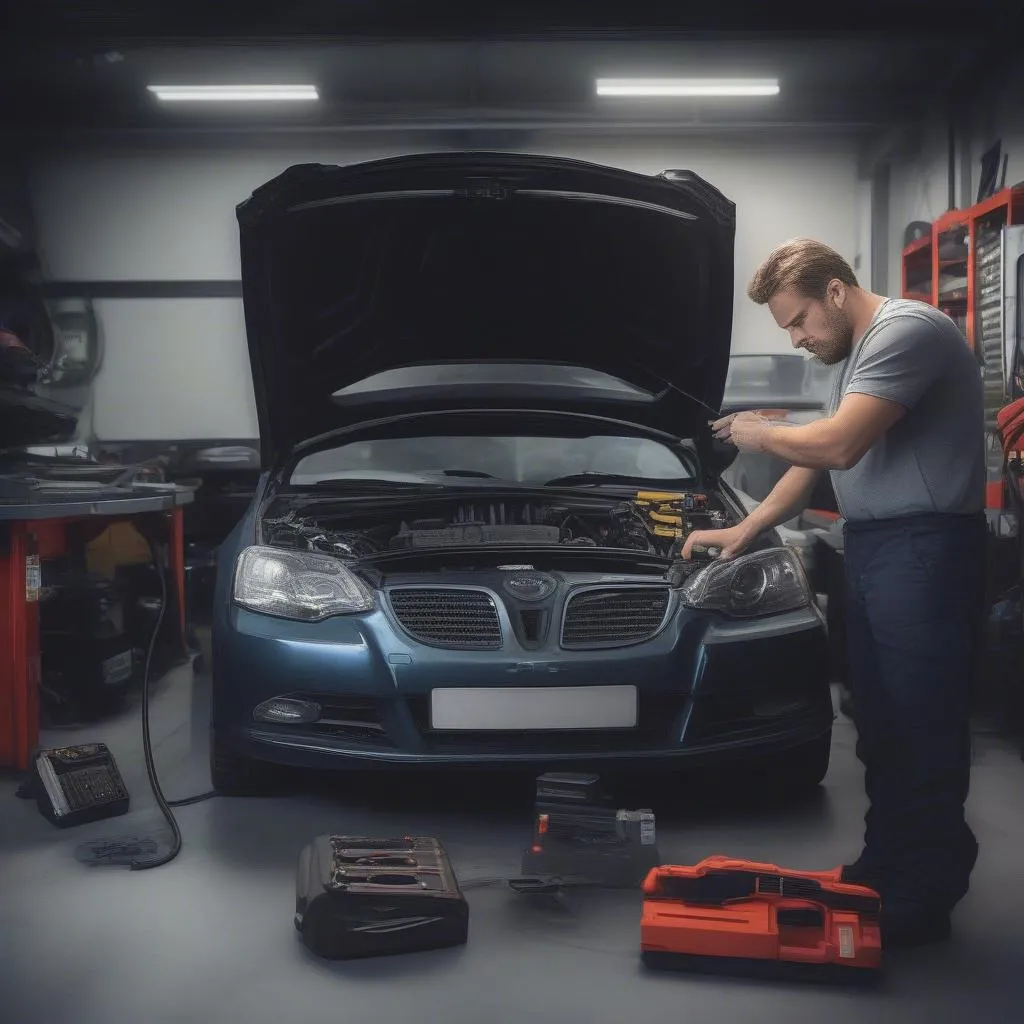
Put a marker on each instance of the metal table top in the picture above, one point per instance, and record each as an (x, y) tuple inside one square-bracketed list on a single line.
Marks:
[(73, 502)]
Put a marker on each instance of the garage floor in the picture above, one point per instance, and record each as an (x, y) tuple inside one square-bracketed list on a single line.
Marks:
[(210, 937)]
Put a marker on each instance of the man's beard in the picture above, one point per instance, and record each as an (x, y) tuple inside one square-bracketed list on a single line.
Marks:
[(837, 343)]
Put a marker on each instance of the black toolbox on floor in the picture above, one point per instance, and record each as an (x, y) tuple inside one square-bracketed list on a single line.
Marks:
[(360, 897)]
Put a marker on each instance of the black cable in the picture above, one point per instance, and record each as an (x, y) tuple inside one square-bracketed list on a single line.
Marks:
[(189, 800), (165, 805), (147, 746), (139, 853)]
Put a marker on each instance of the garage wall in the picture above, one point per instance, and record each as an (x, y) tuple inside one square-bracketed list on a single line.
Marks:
[(1000, 115), (919, 179), (918, 189), (178, 368)]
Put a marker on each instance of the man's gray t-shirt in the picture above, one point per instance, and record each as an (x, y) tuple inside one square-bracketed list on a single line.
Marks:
[(933, 458)]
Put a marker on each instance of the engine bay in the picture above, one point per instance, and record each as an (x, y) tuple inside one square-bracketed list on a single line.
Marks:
[(652, 522)]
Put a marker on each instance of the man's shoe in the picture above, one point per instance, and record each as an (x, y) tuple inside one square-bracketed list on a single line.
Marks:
[(908, 925)]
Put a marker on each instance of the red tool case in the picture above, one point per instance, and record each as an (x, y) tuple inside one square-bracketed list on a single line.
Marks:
[(744, 910)]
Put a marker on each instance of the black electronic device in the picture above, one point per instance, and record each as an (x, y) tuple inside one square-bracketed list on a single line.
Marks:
[(86, 654), (76, 785), (360, 897), (990, 180), (579, 832)]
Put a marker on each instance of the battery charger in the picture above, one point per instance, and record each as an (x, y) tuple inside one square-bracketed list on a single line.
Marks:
[(76, 785)]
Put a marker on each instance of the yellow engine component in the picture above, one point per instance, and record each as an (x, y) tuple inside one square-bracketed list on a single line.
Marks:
[(664, 513), (646, 496), (661, 516), (672, 532)]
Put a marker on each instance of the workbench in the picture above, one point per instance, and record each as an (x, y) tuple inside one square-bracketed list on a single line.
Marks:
[(34, 526)]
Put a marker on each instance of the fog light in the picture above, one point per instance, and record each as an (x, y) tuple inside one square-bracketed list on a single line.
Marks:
[(286, 711)]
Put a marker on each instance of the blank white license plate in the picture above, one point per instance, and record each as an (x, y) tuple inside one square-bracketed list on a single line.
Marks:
[(534, 708)]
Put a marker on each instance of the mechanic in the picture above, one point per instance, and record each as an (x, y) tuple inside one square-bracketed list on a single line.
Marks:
[(904, 444)]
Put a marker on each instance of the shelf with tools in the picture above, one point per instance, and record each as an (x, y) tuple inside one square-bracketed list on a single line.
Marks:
[(954, 268), (917, 269), (990, 254), (950, 268), (997, 247), (935, 267), (966, 267)]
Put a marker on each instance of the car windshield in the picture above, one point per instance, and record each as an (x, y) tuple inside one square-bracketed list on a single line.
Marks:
[(528, 461), (777, 380)]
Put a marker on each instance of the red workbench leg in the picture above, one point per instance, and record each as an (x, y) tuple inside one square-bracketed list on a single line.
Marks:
[(177, 566), (19, 642)]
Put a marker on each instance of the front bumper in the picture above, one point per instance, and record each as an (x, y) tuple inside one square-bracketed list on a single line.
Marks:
[(299, 751), (708, 693)]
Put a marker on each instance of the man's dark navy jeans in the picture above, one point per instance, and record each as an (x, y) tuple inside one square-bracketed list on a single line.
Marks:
[(915, 592)]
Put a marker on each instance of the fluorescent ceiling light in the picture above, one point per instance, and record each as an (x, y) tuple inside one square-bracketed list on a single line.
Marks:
[(687, 87), (233, 93)]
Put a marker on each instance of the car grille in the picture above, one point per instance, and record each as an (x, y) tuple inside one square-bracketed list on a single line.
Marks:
[(614, 616), (448, 617)]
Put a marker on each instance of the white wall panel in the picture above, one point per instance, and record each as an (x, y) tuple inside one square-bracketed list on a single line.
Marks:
[(173, 369)]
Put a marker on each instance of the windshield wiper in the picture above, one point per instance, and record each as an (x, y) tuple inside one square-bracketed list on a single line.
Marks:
[(368, 483), (468, 472), (595, 479)]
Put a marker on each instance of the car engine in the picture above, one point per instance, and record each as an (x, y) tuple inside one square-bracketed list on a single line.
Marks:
[(655, 523)]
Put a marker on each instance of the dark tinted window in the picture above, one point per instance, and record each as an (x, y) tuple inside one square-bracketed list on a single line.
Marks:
[(529, 460)]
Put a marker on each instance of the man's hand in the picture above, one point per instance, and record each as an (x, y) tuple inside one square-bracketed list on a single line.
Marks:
[(722, 428), (731, 542), (748, 431), (745, 430)]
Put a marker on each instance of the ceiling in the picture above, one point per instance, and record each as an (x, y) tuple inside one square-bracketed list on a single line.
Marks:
[(412, 19), (84, 68)]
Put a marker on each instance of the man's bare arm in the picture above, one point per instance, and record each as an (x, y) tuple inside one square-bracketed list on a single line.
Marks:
[(838, 442), (787, 498)]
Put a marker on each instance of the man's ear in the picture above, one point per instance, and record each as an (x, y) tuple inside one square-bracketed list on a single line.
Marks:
[(836, 291)]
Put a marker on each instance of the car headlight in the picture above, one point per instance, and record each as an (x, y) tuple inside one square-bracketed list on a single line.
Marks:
[(762, 583), (298, 585)]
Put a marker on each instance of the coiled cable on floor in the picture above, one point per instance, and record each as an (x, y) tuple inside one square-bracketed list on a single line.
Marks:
[(137, 853), (187, 801)]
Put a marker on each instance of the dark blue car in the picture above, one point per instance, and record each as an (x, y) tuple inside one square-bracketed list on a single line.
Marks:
[(484, 385)]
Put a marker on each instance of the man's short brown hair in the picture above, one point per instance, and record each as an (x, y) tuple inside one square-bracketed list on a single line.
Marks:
[(802, 264)]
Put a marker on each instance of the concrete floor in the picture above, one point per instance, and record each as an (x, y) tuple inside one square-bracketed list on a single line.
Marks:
[(209, 938)]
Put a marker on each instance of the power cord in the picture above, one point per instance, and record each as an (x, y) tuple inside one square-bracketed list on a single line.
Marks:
[(189, 800), (158, 561), (157, 550), (553, 890), (140, 854)]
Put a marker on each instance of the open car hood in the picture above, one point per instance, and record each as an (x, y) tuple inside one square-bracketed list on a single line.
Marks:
[(389, 286)]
